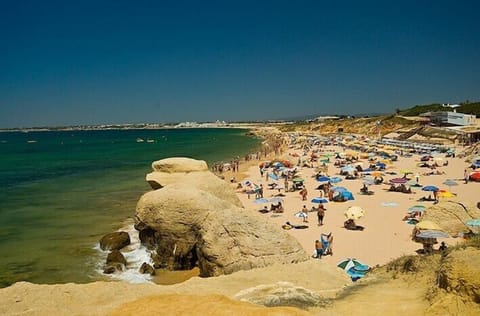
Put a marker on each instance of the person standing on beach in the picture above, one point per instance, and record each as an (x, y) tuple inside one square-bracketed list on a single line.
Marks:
[(320, 214), (304, 214), (260, 191), (466, 175), (318, 249), (304, 193)]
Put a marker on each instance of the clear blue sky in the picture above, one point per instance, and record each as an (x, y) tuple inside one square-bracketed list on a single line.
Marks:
[(94, 62)]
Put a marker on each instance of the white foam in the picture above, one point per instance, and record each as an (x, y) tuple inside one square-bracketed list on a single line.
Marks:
[(135, 254)]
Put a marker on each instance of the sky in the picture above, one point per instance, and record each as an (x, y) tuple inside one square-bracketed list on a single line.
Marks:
[(105, 62)]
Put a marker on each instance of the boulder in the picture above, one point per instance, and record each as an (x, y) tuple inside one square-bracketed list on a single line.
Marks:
[(116, 256), (115, 241), (145, 268), (191, 172), (179, 164), (195, 227), (113, 267), (451, 216)]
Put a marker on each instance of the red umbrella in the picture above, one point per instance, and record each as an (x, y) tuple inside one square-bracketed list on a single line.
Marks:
[(475, 176), (399, 180)]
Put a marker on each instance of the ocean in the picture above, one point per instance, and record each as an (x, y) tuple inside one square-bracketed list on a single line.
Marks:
[(61, 191)]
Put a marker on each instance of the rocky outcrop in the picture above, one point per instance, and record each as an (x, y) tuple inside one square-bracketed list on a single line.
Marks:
[(115, 241), (281, 294), (192, 223), (451, 216), (193, 172)]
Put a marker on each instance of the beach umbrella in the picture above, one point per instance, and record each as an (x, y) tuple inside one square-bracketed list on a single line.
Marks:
[(297, 179), (431, 188), (368, 181), (300, 215), (349, 263), (354, 212), (414, 183), (377, 174), (475, 176), (277, 164), (445, 194), (261, 200), (336, 180), (273, 176), (319, 200), (406, 171), (399, 180), (347, 169), (428, 225), (432, 234), (417, 208), (275, 200), (323, 179), (450, 182), (473, 222), (338, 189)]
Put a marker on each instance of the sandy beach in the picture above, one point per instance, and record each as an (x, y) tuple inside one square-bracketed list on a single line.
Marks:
[(385, 236)]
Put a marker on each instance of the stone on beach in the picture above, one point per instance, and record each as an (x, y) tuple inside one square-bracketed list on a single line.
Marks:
[(115, 240)]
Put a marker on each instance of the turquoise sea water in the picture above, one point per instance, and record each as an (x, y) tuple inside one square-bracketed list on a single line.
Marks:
[(62, 191)]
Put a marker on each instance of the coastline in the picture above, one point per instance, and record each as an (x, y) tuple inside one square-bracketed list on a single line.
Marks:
[(385, 237)]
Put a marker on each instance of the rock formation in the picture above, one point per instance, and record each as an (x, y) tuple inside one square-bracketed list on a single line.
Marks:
[(194, 223), (193, 172), (451, 216), (115, 241)]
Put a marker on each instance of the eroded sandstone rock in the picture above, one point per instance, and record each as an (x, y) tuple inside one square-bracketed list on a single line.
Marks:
[(193, 172), (194, 227), (115, 241)]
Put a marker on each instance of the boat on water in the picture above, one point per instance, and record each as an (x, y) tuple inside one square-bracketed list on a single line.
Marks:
[(31, 141), (140, 140), (150, 140)]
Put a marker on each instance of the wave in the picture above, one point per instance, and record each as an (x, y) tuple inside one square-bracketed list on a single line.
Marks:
[(135, 254)]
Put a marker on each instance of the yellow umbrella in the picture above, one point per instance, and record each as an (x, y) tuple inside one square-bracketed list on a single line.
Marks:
[(428, 225), (354, 212), (445, 194)]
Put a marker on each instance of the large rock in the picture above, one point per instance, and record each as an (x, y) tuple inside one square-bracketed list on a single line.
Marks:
[(115, 241), (451, 216), (193, 226), (116, 256), (179, 164), (192, 172)]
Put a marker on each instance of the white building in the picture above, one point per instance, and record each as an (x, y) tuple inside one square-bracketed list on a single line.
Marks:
[(452, 118)]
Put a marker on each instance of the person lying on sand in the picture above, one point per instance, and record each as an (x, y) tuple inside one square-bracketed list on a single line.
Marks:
[(288, 226)]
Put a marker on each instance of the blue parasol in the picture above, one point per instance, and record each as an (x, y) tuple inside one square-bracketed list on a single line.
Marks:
[(323, 179), (319, 200), (431, 188), (336, 180)]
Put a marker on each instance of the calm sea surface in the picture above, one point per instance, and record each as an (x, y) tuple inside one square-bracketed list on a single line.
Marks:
[(62, 191)]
